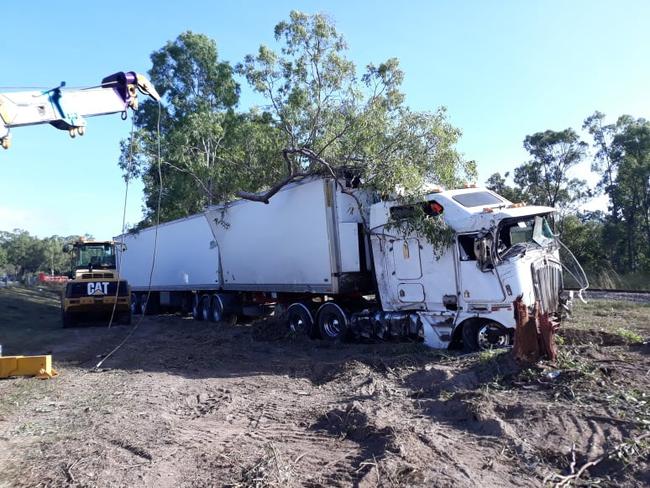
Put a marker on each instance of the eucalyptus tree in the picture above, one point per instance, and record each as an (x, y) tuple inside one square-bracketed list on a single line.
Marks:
[(338, 120)]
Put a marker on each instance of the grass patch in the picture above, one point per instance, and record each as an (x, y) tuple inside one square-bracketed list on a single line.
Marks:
[(629, 336), (612, 316), (489, 355)]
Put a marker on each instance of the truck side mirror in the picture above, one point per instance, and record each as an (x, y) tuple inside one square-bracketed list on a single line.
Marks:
[(67, 248)]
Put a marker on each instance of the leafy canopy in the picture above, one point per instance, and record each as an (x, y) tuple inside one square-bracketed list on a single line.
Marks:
[(208, 151), (357, 123)]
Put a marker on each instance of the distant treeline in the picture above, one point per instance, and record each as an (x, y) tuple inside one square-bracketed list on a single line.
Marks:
[(612, 245), (22, 254)]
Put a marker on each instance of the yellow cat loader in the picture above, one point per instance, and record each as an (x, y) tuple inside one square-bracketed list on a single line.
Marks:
[(95, 288)]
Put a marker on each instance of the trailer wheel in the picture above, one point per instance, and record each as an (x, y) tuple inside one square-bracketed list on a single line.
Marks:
[(299, 319), (143, 302), (332, 322), (196, 307), (135, 304), (216, 309), (205, 307), (480, 335)]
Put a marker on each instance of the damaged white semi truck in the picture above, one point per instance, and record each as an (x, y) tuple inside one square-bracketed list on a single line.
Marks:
[(325, 258)]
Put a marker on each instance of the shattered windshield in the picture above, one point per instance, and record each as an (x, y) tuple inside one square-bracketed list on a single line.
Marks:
[(519, 235)]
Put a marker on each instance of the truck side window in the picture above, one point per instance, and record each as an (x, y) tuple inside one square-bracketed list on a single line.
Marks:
[(466, 247), (431, 209)]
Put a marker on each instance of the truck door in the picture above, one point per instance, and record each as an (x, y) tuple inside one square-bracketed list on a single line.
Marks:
[(476, 285), (407, 270)]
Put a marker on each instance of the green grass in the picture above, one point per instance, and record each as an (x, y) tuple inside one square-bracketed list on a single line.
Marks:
[(24, 313), (629, 336), (489, 355), (612, 317)]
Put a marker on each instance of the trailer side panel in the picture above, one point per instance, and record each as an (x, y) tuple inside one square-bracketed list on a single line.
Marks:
[(280, 246), (186, 257)]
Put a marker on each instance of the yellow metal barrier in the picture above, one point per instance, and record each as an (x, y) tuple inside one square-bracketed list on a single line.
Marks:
[(39, 366)]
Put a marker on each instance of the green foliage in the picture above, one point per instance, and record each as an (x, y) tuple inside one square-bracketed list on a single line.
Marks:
[(629, 336), (208, 151), (497, 184), (544, 179), (23, 253), (357, 122), (417, 222), (322, 114), (623, 158), (613, 247)]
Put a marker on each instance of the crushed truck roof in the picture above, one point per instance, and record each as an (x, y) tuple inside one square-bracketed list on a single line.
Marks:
[(469, 209)]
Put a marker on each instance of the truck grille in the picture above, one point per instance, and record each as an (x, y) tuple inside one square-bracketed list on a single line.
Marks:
[(547, 280)]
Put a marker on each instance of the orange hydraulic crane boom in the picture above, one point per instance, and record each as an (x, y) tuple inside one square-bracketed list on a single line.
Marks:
[(66, 109)]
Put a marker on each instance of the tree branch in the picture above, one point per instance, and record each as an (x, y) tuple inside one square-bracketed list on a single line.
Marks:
[(265, 197)]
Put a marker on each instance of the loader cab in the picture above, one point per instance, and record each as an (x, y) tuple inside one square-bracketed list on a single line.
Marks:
[(92, 256)]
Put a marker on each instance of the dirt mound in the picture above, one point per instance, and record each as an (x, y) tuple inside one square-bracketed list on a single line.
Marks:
[(591, 336)]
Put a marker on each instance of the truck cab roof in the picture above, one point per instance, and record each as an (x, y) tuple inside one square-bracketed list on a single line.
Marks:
[(471, 209)]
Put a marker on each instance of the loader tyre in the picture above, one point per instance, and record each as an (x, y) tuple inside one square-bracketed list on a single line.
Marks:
[(126, 318), (67, 319), (332, 322), (479, 335), (299, 319)]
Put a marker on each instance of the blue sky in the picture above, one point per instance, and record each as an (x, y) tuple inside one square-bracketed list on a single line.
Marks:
[(503, 69)]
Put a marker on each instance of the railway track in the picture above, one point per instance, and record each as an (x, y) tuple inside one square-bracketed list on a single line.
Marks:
[(638, 296)]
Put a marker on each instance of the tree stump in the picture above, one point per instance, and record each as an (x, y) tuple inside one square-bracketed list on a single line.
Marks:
[(534, 333)]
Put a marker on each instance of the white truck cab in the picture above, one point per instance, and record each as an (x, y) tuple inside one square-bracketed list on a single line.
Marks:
[(500, 250)]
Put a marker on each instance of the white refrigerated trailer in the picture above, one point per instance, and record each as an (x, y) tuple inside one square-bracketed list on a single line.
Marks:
[(332, 265)]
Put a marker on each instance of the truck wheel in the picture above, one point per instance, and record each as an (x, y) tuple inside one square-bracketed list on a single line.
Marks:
[(205, 307), (135, 304), (196, 307), (216, 309), (143, 302), (479, 335), (332, 322), (299, 319)]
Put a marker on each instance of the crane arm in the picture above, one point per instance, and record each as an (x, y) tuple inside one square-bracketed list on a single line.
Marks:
[(66, 109)]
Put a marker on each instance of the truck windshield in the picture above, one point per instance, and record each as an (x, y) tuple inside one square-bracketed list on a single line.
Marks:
[(95, 255), (519, 235)]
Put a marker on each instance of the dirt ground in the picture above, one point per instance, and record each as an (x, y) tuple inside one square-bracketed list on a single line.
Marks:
[(187, 403)]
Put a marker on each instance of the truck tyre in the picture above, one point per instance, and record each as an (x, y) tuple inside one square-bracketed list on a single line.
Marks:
[(332, 322), (196, 307), (216, 309), (299, 319), (143, 303), (481, 334), (135, 304), (205, 307)]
